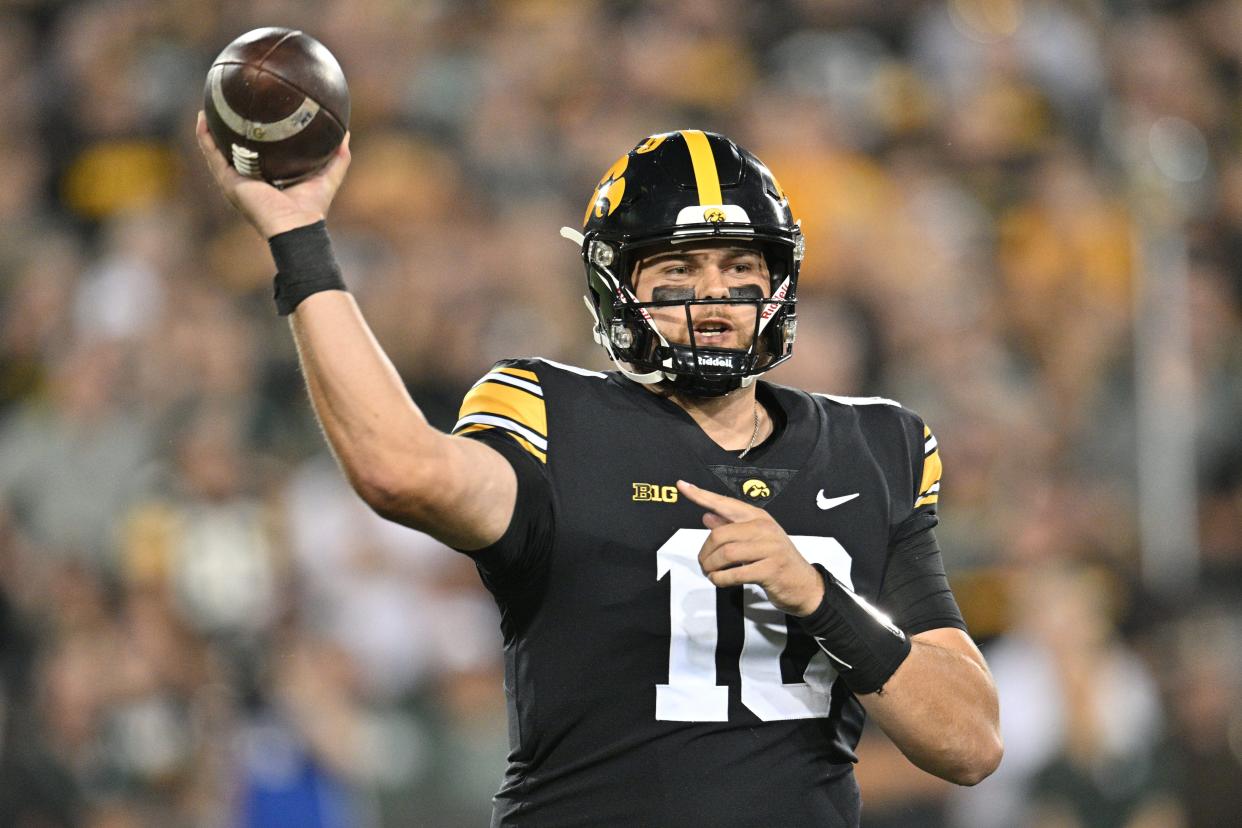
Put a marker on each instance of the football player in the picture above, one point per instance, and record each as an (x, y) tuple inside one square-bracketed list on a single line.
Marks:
[(706, 580)]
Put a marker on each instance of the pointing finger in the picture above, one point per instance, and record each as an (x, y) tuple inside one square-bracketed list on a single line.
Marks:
[(729, 508)]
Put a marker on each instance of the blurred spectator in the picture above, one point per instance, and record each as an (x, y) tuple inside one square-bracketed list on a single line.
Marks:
[(1080, 713), (71, 462), (1202, 674)]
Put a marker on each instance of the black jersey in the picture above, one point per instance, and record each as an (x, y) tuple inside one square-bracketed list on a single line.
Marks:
[(639, 693)]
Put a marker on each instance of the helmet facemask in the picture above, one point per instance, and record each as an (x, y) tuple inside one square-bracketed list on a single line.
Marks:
[(627, 328)]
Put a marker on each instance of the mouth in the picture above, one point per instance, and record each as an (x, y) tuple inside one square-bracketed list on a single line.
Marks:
[(712, 331)]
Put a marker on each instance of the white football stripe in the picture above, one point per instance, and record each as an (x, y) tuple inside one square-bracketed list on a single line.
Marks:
[(930, 445), (286, 127)]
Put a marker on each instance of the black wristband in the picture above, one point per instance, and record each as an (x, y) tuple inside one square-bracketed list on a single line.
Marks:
[(304, 265), (865, 646)]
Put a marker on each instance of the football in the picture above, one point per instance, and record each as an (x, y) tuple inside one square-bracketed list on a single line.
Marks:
[(277, 105)]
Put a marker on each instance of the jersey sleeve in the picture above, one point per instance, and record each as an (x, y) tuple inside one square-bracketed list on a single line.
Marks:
[(505, 409), (915, 590), (509, 399), (917, 508)]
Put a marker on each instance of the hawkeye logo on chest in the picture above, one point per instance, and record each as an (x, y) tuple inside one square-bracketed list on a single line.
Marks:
[(654, 493)]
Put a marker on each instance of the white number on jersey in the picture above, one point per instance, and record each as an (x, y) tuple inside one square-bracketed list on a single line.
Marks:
[(692, 694)]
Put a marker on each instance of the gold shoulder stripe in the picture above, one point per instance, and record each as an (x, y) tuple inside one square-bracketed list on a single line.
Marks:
[(519, 412), (506, 401), (705, 174), (521, 373), (929, 487)]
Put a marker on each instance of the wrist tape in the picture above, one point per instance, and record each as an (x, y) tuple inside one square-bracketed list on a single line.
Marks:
[(862, 642), (305, 265)]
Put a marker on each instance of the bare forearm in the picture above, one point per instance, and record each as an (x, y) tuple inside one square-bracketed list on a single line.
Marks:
[(367, 416), (456, 490), (940, 708)]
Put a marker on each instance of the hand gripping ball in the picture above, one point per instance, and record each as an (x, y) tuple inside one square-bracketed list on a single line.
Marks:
[(277, 105)]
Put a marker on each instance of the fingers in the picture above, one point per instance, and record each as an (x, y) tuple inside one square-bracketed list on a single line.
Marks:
[(730, 545), (757, 572), (729, 508), (221, 170), (727, 556)]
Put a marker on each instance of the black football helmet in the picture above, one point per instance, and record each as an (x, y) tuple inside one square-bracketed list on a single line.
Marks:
[(677, 188)]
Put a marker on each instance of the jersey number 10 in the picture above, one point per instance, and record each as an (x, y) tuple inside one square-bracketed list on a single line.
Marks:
[(692, 694)]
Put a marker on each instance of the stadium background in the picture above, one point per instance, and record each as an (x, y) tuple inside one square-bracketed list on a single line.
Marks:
[(1024, 220)]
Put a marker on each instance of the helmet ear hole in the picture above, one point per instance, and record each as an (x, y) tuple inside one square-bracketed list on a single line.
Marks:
[(620, 335)]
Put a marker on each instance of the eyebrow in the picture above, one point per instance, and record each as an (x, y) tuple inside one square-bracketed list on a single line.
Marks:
[(678, 254)]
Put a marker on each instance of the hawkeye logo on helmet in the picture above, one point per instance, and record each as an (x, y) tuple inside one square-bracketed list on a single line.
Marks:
[(715, 214), (651, 142), (608, 192)]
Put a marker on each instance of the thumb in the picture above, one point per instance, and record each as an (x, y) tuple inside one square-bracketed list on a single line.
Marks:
[(714, 521), (335, 171)]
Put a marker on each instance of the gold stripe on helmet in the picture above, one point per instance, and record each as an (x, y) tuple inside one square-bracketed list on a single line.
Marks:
[(705, 175)]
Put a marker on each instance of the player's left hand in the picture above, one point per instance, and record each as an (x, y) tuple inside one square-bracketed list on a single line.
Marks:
[(747, 546)]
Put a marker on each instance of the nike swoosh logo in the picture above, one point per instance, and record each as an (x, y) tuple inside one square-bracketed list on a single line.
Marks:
[(827, 503)]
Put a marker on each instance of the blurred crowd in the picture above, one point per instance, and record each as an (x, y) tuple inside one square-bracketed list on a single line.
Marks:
[(200, 625)]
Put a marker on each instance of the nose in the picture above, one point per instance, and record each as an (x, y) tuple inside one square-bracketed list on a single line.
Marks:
[(713, 284)]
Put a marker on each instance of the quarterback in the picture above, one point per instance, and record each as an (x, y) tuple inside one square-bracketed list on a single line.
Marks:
[(706, 580)]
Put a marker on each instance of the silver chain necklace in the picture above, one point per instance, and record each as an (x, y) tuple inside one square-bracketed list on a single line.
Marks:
[(754, 434)]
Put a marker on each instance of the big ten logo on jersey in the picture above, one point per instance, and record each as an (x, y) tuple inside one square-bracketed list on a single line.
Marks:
[(654, 493)]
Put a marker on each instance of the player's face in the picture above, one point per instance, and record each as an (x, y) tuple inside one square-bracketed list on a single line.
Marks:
[(705, 271)]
